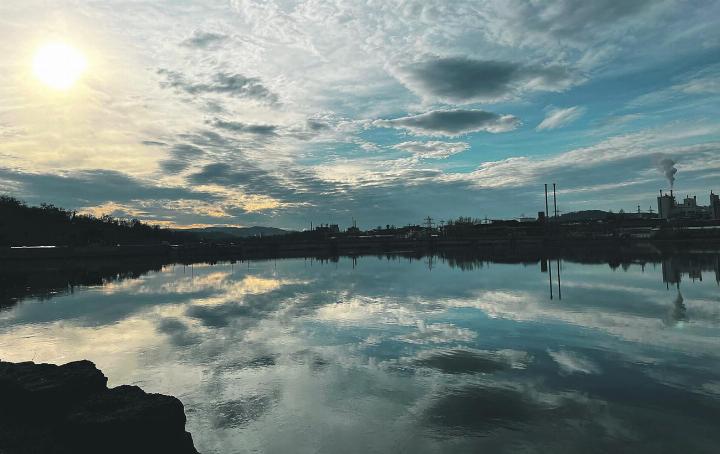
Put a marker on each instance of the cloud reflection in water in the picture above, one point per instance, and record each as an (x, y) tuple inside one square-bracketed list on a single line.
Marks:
[(388, 355)]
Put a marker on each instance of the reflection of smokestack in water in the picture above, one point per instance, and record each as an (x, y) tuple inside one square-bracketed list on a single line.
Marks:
[(550, 279), (678, 312), (667, 167)]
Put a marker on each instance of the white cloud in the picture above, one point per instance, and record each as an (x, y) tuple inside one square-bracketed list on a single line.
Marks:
[(557, 118), (433, 149), (524, 170), (705, 83), (709, 85)]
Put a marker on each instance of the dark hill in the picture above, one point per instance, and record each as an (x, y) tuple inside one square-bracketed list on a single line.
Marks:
[(230, 233)]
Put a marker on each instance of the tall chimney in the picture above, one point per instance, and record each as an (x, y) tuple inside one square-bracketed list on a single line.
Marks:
[(546, 202), (554, 200)]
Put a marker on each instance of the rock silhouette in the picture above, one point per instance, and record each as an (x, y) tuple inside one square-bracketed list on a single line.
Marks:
[(69, 409)]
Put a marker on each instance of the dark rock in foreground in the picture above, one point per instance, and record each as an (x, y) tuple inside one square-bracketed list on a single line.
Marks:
[(46, 408)]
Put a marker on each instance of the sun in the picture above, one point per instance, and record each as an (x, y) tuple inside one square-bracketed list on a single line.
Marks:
[(58, 65)]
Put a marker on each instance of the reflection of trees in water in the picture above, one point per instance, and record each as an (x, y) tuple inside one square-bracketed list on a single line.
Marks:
[(44, 280), (464, 263), (36, 279)]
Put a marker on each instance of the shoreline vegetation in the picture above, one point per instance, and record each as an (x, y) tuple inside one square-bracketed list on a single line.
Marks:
[(48, 232)]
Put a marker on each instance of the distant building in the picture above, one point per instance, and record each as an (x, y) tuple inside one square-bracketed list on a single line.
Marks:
[(328, 228), (669, 208), (714, 206), (690, 209)]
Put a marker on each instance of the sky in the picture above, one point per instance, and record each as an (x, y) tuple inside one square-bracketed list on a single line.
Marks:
[(279, 113)]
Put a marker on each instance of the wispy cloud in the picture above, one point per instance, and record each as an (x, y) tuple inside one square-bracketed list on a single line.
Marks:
[(236, 85), (703, 83), (432, 149), (557, 118)]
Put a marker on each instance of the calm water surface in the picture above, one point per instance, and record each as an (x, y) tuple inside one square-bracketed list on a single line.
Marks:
[(392, 355)]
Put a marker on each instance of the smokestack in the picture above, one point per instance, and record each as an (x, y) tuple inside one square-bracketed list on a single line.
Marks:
[(546, 202), (554, 200)]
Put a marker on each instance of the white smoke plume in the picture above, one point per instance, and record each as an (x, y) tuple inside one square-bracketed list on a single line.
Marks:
[(667, 167)]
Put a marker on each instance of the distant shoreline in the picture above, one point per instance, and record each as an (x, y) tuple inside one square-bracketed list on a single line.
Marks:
[(276, 247)]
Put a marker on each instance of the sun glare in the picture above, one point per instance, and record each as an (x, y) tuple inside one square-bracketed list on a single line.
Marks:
[(58, 65)]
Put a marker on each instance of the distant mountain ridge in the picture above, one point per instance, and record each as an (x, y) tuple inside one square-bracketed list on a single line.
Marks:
[(225, 233)]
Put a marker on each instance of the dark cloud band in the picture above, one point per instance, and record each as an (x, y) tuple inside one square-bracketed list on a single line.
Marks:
[(452, 122), (460, 79), (236, 85)]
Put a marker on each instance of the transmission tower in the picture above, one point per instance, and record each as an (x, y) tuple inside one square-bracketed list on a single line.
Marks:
[(429, 223)]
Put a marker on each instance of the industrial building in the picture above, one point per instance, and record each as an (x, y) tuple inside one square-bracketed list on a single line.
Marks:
[(670, 208)]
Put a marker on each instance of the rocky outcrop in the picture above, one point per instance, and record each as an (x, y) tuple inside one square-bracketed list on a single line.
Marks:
[(46, 408)]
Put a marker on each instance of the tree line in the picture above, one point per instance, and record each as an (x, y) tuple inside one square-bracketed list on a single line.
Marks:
[(24, 225)]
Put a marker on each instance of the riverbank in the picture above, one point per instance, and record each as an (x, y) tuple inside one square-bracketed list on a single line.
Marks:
[(69, 409), (279, 247)]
